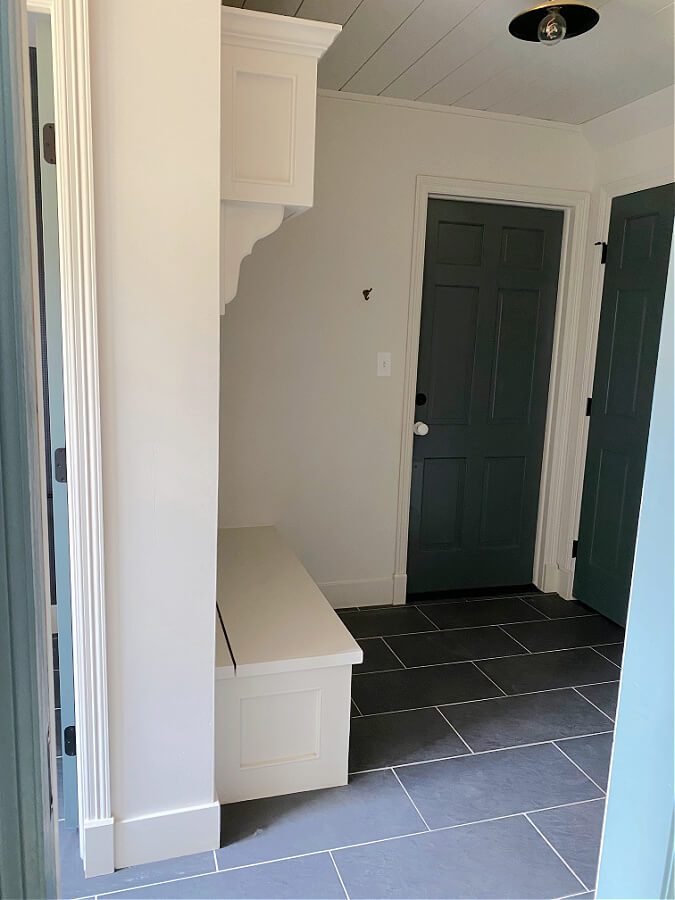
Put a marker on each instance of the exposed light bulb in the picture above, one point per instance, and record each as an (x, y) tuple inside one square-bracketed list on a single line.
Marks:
[(552, 28)]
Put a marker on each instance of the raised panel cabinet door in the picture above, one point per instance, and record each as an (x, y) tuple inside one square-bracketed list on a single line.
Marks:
[(638, 248), (488, 313)]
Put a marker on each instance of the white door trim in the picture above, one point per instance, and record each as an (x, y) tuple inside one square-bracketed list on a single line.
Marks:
[(576, 206), (77, 259), (588, 339)]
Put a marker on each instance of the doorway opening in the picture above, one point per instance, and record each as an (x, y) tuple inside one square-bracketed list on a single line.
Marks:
[(491, 275), (55, 464), (619, 411)]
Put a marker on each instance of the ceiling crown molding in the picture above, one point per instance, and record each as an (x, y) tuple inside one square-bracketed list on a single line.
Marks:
[(284, 34)]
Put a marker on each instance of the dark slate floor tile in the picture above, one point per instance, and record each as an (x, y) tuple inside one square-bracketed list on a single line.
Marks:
[(391, 739), (453, 646), (370, 807), (74, 884), (575, 832), (377, 657), (556, 607), (613, 652), (468, 613), (55, 651), (603, 695), (545, 671), (355, 710), (57, 688), (488, 785), (509, 721), (383, 622), (564, 634), (504, 859), (296, 879), (413, 688), (57, 732), (592, 754)]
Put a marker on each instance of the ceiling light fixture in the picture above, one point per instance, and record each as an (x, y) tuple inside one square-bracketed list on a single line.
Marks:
[(551, 23)]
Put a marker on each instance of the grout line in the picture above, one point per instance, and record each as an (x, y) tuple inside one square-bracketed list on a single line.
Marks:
[(337, 871), (445, 718), (389, 712), (357, 705), (602, 655), (215, 860), (592, 780), (502, 626), (331, 850), (526, 649), (541, 612), (560, 857), (395, 774), (431, 621), (478, 668), (384, 641), (424, 762), (607, 715)]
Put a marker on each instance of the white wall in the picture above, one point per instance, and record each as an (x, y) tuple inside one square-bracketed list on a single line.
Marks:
[(155, 98), (310, 437)]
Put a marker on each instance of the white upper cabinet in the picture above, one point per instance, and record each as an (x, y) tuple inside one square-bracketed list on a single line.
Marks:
[(268, 117)]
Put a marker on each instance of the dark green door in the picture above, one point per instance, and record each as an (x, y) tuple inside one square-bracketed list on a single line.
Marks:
[(488, 311), (638, 248)]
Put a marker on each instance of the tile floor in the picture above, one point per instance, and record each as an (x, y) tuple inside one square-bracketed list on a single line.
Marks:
[(481, 736)]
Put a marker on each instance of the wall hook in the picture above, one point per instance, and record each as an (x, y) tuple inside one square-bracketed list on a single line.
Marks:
[(367, 293)]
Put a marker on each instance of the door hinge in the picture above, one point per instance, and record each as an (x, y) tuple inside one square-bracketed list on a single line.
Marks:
[(60, 466), (49, 143), (603, 254), (69, 741), (575, 547), (589, 402)]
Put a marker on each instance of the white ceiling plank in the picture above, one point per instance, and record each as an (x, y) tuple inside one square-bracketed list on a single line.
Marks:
[(643, 6), (367, 29), (505, 84), (278, 7), (470, 36), (486, 64), (337, 11), (433, 18)]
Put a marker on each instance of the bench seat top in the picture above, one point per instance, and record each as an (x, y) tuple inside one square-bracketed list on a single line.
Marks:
[(275, 617)]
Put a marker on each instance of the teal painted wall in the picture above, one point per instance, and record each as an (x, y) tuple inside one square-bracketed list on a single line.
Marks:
[(637, 852)]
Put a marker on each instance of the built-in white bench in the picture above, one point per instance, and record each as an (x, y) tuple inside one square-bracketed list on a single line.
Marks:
[(283, 673)]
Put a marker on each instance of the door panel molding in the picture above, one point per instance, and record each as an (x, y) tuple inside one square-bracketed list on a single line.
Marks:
[(551, 529)]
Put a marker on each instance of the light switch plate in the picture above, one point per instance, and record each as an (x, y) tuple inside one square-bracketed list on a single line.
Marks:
[(384, 364)]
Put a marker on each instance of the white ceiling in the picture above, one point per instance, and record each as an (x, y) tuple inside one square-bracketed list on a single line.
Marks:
[(459, 53)]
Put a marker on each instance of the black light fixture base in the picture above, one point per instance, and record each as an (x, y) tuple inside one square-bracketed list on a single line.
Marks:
[(579, 17)]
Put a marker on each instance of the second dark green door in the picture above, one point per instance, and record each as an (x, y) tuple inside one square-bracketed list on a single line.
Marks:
[(638, 250), (488, 312)]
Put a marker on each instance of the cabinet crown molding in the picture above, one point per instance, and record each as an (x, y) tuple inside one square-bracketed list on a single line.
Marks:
[(281, 34)]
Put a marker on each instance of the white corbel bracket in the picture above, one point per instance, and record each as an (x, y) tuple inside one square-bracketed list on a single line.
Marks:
[(268, 119)]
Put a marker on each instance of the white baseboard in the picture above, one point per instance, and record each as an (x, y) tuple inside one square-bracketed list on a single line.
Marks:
[(557, 580), (177, 832), (368, 592), (400, 589), (98, 847), (565, 583)]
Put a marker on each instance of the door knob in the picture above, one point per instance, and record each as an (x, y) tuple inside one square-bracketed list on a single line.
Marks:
[(421, 428)]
